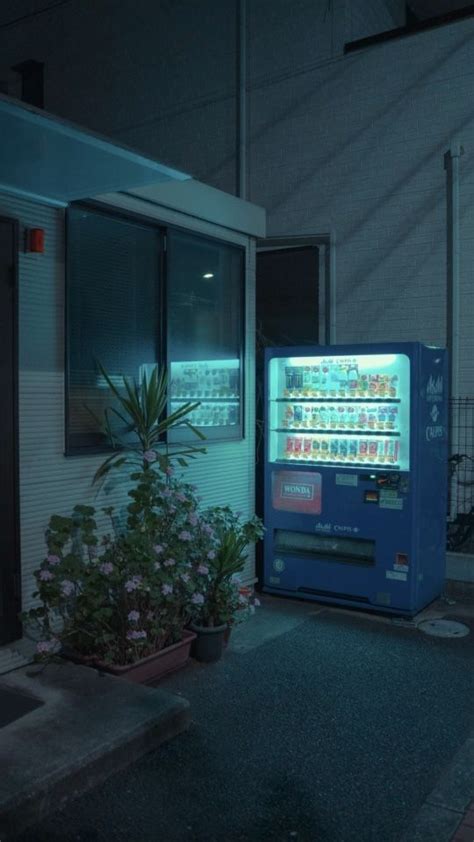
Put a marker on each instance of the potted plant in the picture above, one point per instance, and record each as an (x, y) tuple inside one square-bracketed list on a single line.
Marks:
[(121, 600), (220, 602)]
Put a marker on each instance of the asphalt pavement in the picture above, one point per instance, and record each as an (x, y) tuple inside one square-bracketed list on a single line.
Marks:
[(317, 725)]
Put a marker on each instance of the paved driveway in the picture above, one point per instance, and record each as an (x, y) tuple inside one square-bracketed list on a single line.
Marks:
[(318, 725)]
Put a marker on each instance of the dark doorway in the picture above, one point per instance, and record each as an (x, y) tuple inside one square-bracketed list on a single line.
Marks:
[(10, 628), (287, 313)]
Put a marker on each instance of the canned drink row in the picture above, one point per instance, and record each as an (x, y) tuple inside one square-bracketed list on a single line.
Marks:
[(338, 380), (213, 415), (380, 451), (203, 381), (342, 417)]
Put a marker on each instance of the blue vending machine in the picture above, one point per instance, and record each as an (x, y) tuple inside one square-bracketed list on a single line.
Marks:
[(356, 474)]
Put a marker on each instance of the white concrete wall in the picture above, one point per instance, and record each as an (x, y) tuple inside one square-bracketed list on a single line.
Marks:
[(351, 144), (51, 483)]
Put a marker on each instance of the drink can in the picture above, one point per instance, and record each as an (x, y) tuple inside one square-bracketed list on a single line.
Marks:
[(307, 416), (316, 449), (290, 446), (341, 417), (396, 451), (381, 451), (353, 449), (343, 449), (298, 415), (289, 377), (315, 420), (389, 450), (298, 379), (298, 446), (289, 415), (315, 377), (324, 449), (307, 448), (372, 451), (323, 416), (381, 418), (363, 450), (334, 449), (306, 378)]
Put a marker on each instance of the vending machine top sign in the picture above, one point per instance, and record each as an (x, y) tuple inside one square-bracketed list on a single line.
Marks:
[(340, 410)]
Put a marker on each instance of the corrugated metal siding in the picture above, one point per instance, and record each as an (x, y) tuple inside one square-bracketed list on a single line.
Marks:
[(50, 482)]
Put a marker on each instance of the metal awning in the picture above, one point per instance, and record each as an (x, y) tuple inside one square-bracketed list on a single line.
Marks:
[(46, 158)]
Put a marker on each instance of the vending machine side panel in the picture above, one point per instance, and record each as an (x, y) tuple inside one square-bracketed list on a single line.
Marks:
[(432, 474)]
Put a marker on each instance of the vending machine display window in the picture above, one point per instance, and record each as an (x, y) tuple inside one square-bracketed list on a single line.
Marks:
[(352, 410)]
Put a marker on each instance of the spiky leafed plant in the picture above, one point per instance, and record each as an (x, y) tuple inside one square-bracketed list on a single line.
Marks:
[(142, 410)]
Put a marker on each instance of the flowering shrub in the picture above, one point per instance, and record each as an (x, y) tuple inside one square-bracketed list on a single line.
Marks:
[(130, 594), (221, 598)]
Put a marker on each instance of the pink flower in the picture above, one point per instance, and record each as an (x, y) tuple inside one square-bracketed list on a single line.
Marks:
[(211, 554), (169, 562), (136, 635), (181, 497), (193, 519), (167, 589), (133, 616), (169, 471), (133, 583), (197, 598), (167, 492), (107, 567), (185, 535), (46, 576), (158, 548), (208, 529), (157, 565), (203, 569), (53, 559), (185, 577), (43, 647), (149, 456), (67, 587)]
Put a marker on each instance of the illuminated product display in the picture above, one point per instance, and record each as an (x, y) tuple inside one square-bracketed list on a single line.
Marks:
[(355, 476), (341, 410), (215, 384)]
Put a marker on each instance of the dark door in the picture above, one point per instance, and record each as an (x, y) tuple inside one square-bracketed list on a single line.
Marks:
[(287, 313), (10, 628)]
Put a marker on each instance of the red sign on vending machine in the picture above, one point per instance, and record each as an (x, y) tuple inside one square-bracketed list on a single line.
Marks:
[(297, 491)]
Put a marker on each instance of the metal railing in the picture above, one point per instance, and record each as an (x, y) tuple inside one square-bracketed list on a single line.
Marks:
[(461, 476)]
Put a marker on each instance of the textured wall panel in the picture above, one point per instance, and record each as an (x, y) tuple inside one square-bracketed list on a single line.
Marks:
[(50, 482)]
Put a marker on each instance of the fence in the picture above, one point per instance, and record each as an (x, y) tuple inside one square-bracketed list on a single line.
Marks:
[(461, 476)]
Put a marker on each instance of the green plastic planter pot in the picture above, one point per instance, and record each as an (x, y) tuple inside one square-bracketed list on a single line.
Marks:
[(209, 642)]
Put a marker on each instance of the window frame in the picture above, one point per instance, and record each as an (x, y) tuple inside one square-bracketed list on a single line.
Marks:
[(162, 229)]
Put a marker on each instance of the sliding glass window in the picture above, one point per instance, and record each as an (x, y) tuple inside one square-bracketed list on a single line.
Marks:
[(205, 306), (113, 314)]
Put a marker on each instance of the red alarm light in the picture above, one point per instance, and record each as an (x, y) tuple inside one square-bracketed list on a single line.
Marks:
[(36, 240)]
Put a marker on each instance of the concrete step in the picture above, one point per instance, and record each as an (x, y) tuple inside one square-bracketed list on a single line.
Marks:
[(89, 726)]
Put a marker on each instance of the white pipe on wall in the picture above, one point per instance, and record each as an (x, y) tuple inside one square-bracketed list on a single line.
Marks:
[(453, 251), (241, 168)]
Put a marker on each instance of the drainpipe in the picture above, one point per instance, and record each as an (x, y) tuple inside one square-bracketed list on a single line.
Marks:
[(241, 117), (453, 248)]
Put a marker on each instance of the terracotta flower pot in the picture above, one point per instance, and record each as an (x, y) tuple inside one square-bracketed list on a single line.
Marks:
[(209, 642), (148, 669)]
